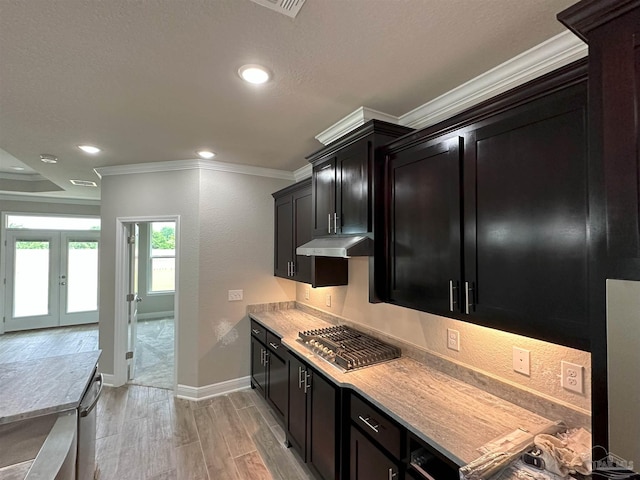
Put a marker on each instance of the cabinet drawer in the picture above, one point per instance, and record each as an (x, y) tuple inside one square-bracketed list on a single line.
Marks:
[(376, 425), (258, 331), (274, 344)]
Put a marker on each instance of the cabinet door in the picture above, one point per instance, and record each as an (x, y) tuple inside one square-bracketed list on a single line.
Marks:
[(297, 411), (352, 188), (278, 384), (302, 234), (258, 370), (324, 197), (323, 431), (367, 462), (424, 223), (526, 220), (283, 236)]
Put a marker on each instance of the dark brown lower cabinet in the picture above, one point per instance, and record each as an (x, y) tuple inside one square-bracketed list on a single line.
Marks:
[(368, 462), (312, 421), (269, 371)]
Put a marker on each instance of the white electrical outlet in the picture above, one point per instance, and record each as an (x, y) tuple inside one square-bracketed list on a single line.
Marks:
[(572, 376), (453, 339), (521, 363), (327, 300), (306, 293), (235, 295)]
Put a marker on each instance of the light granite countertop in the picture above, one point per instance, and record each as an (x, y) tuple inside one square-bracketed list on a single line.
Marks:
[(46, 385), (451, 416)]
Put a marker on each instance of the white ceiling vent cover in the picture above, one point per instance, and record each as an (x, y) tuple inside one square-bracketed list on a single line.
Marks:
[(290, 8)]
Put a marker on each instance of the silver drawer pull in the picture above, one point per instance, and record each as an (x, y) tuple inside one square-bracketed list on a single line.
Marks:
[(366, 422), (392, 474), (273, 345), (300, 371), (329, 223), (255, 331)]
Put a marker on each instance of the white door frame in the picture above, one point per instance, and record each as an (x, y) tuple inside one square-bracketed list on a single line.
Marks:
[(120, 344)]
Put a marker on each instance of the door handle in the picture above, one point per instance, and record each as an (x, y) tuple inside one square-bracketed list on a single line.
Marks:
[(63, 283), (293, 269), (300, 370), (453, 296), (335, 223), (392, 474), (329, 223), (274, 345), (307, 385)]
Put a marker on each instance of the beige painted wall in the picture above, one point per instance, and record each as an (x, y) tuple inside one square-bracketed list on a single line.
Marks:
[(225, 242), (236, 253), (481, 348)]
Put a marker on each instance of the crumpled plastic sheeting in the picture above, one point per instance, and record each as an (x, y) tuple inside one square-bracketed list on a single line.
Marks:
[(566, 453)]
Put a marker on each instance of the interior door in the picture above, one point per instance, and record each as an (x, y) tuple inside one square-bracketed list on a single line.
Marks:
[(32, 293), (132, 297), (79, 278)]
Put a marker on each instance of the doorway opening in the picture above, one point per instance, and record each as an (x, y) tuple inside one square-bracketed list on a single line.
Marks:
[(148, 272)]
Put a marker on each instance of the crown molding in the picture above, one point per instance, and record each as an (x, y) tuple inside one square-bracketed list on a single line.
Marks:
[(195, 164), (303, 172), (554, 53), (549, 55), (31, 197), (22, 177), (352, 121)]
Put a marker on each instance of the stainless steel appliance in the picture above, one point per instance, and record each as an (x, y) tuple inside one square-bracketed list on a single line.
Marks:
[(86, 457), (347, 348)]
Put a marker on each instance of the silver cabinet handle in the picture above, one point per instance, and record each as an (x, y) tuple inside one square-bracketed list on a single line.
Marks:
[(392, 474), (293, 268), (451, 295), (468, 299), (307, 385), (255, 331), (329, 223), (335, 223), (266, 358), (274, 345), (366, 422), (262, 356), (288, 269), (300, 370)]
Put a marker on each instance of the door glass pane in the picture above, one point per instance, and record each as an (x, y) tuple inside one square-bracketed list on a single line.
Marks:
[(82, 277), (35, 222), (31, 278)]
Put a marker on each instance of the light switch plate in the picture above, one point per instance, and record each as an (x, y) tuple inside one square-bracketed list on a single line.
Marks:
[(235, 295), (327, 300), (306, 293), (521, 361)]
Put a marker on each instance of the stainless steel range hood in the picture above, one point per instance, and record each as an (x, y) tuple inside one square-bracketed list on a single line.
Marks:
[(344, 247)]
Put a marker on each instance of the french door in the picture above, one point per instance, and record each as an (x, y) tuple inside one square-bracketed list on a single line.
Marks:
[(52, 278)]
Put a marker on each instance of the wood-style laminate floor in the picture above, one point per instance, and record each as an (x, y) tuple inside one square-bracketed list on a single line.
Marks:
[(145, 433)]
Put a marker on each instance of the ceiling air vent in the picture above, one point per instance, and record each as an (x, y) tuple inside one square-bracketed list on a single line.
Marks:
[(290, 8), (83, 183)]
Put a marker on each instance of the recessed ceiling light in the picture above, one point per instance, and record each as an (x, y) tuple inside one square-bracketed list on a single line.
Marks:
[(48, 158), (89, 149), (83, 183), (254, 73), (19, 169), (206, 154)]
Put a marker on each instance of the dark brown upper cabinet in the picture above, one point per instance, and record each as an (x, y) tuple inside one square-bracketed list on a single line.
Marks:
[(612, 30), (292, 229), (487, 221), (342, 180)]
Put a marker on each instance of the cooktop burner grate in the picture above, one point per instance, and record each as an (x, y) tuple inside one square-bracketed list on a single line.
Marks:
[(348, 348)]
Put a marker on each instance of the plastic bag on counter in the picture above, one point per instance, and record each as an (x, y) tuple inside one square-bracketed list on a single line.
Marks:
[(503, 451), (565, 453)]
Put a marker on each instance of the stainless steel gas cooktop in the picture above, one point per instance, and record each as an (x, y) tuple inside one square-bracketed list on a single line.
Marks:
[(347, 348)]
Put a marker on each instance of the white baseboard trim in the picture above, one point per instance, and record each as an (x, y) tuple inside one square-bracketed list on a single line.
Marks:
[(108, 379), (200, 393), (156, 315)]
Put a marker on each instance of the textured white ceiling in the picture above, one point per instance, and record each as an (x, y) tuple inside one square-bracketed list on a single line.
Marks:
[(154, 80)]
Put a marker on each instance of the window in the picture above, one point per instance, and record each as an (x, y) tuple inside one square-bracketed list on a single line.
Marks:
[(163, 257), (42, 222)]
